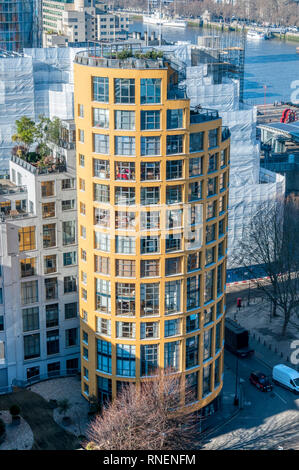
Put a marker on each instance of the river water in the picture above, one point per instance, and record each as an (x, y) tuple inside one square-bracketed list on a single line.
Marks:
[(273, 64)]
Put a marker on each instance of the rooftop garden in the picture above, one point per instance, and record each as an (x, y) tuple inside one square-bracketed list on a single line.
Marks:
[(33, 140), (128, 53)]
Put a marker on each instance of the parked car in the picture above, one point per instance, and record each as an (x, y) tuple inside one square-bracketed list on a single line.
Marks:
[(261, 381), (286, 377)]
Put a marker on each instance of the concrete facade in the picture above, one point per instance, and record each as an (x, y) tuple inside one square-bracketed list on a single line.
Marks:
[(39, 326), (65, 21)]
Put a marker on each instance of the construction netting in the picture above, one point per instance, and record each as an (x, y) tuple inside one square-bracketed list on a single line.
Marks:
[(250, 184), (53, 81), (201, 89), (40, 82), (16, 99)]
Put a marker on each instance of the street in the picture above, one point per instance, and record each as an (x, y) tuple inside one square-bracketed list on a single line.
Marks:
[(266, 420)]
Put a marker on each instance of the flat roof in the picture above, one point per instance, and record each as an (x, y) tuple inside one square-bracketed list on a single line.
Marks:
[(287, 128), (234, 325), (293, 373)]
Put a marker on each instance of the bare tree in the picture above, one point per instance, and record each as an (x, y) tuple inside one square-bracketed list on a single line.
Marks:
[(146, 417), (284, 12), (271, 241)]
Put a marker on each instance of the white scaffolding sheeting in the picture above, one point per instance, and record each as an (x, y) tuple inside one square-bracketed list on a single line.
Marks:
[(40, 82), (243, 203), (245, 155), (249, 184), (59, 94), (201, 89), (53, 81)]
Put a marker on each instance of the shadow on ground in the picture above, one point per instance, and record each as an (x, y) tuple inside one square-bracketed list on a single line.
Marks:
[(48, 435)]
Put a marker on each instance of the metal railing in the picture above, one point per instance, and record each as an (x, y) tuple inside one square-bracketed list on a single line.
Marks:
[(24, 164), (12, 190), (128, 63), (5, 390), (66, 145), (41, 377), (39, 170), (199, 115), (56, 168), (9, 216)]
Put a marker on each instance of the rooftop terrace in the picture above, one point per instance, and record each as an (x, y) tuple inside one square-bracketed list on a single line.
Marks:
[(85, 58), (126, 55), (198, 115), (55, 167)]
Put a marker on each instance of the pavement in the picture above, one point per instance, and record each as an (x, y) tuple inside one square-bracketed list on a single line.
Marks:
[(265, 356), (255, 317), (264, 420), (60, 389), (270, 349), (227, 410)]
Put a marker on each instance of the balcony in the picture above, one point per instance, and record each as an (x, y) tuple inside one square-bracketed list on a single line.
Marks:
[(198, 115), (13, 215), (39, 168), (6, 189), (125, 174), (225, 134), (67, 145)]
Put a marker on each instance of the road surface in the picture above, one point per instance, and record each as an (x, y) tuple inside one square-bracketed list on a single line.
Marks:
[(267, 420)]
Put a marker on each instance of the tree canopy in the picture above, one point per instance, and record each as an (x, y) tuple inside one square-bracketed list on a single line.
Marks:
[(271, 241), (43, 132), (146, 417)]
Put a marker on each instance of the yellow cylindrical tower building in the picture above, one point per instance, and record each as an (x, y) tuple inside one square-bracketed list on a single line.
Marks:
[(152, 221)]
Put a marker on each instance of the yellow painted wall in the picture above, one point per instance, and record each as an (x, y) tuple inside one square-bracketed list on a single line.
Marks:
[(83, 96)]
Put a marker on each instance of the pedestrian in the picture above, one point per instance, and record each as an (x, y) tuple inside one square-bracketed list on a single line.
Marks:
[(239, 305)]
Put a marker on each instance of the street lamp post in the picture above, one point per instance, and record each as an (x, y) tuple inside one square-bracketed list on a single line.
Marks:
[(236, 399), (249, 285), (248, 279)]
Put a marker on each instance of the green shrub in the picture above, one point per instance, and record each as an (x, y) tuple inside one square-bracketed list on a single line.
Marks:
[(14, 410), (63, 406), (124, 54), (152, 54)]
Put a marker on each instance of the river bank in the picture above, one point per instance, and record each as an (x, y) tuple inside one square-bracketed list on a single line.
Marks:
[(288, 36), (225, 27), (270, 66)]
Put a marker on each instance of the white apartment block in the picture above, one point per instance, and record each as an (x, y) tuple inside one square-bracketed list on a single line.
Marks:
[(80, 21), (39, 324), (111, 27)]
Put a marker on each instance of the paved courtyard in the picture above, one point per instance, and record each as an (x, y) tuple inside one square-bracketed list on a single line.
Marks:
[(60, 389), (18, 437), (38, 414)]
